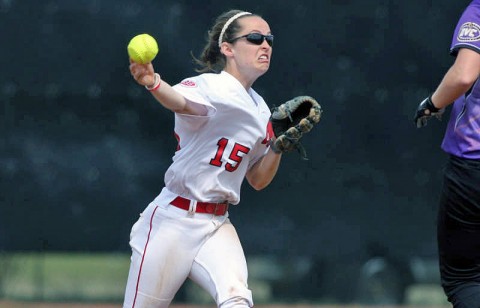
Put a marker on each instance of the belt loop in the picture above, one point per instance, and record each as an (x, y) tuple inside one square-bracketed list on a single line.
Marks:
[(193, 207)]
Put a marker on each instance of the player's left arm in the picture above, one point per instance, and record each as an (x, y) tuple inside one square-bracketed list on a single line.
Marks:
[(261, 174)]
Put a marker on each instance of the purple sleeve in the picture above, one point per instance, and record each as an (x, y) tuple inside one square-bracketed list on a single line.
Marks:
[(467, 32)]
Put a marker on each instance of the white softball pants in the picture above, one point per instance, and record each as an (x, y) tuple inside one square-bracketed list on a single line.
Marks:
[(170, 245)]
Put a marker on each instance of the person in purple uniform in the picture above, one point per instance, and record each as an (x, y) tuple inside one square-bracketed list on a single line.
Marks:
[(458, 226)]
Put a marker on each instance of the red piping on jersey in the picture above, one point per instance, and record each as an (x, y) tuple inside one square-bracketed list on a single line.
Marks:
[(178, 140), (269, 134), (143, 257)]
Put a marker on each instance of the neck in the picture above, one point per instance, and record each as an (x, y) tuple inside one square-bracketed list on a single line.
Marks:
[(246, 80)]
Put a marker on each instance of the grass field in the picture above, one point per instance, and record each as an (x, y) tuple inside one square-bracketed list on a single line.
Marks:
[(73, 305), (63, 276), (6, 304), (79, 280)]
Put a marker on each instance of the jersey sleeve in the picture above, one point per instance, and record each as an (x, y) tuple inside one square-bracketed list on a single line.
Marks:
[(467, 31), (192, 89)]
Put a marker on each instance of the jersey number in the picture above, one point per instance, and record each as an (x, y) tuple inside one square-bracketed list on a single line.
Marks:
[(222, 144)]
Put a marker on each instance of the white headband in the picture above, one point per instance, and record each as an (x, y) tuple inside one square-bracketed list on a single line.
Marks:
[(229, 21)]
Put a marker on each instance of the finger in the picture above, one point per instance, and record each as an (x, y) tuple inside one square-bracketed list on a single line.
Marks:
[(305, 126), (314, 116), (293, 133), (137, 74), (424, 121), (419, 122), (135, 69)]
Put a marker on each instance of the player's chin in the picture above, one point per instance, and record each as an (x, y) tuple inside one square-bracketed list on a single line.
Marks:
[(261, 72), (263, 67)]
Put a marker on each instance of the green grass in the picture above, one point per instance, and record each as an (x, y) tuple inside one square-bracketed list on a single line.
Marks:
[(63, 276), (101, 277)]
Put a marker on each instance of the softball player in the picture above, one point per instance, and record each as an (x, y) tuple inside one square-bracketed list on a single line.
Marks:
[(458, 230), (223, 132)]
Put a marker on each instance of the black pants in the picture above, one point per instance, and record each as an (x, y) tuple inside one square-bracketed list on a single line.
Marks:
[(458, 232)]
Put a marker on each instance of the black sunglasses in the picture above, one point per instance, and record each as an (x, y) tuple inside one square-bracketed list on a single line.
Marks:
[(256, 38)]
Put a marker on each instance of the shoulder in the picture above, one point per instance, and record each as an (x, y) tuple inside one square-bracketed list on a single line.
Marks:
[(467, 31), (257, 97), (198, 81), (260, 101), (195, 89)]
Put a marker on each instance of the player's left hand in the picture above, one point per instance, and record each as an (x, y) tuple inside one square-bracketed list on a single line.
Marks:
[(291, 120), (425, 111)]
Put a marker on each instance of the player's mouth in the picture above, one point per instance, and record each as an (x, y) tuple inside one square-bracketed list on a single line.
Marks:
[(263, 58)]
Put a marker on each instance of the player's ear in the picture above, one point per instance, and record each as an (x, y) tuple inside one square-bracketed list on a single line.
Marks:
[(226, 49)]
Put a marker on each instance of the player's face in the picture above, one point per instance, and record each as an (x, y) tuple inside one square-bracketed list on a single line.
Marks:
[(252, 48)]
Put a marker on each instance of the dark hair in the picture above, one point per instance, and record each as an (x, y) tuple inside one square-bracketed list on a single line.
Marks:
[(211, 59)]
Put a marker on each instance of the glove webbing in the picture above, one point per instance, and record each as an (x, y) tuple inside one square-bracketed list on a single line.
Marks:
[(295, 141)]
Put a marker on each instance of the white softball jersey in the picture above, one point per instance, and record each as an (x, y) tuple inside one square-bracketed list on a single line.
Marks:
[(170, 244), (215, 151)]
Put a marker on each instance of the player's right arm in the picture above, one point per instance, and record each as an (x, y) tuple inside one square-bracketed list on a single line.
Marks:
[(458, 79), (144, 74), (261, 174)]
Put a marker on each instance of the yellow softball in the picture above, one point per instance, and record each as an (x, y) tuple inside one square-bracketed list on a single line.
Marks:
[(142, 48)]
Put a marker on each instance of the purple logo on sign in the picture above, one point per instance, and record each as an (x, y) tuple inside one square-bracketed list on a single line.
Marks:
[(469, 32)]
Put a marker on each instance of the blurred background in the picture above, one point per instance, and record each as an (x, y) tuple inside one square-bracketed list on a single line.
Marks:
[(83, 148)]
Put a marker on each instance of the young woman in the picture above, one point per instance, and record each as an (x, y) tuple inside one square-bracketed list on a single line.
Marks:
[(223, 132), (458, 230)]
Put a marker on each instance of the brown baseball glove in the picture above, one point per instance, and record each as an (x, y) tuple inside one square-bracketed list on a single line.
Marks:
[(291, 120)]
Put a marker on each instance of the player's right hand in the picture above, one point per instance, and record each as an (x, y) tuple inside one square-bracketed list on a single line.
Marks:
[(144, 74), (425, 110)]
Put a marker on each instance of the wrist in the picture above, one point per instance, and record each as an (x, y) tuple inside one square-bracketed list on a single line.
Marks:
[(430, 105), (274, 148), (156, 83)]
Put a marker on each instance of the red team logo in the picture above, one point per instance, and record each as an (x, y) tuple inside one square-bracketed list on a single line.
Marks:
[(188, 83)]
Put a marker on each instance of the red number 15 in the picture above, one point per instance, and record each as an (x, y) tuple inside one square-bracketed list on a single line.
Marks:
[(222, 144)]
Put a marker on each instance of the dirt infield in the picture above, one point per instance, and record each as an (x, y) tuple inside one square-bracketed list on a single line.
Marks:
[(8, 304)]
